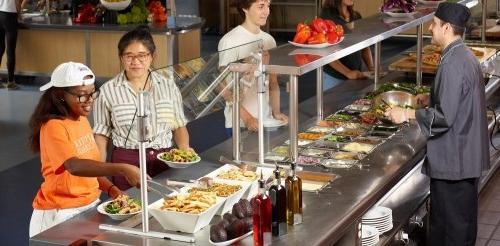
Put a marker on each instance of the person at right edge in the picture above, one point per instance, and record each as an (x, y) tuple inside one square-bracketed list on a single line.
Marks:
[(456, 130), (349, 67), (9, 10)]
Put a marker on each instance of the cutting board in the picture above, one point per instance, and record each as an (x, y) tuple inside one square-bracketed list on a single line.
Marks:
[(408, 64)]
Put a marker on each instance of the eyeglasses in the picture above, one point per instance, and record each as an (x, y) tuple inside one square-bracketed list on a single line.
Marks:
[(85, 97), (141, 57)]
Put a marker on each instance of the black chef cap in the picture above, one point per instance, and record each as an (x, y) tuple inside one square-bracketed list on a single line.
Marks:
[(453, 13)]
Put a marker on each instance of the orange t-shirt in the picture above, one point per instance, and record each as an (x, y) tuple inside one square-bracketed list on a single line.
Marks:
[(61, 140)]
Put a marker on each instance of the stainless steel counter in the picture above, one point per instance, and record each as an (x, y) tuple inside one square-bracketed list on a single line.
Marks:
[(366, 32), (64, 22), (327, 215)]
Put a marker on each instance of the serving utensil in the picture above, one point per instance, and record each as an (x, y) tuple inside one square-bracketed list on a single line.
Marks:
[(168, 187)]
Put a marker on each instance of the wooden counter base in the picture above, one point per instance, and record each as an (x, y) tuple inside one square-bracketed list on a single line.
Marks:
[(39, 51)]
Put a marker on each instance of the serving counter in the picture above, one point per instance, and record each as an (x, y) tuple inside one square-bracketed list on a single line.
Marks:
[(328, 215), (45, 42), (390, 175)]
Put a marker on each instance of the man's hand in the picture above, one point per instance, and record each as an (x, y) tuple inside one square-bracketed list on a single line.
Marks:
[(280, 116), (423, 100), (397, 115), (355, 74), (251, 123)]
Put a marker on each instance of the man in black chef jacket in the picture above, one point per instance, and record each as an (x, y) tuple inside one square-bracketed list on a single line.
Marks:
[(456, 130)]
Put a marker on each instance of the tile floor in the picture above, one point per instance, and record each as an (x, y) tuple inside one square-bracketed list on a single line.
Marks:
[(489, 214)]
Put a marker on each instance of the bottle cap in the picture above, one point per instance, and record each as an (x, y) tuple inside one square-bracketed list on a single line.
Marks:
[(261, 180), (277, 172)]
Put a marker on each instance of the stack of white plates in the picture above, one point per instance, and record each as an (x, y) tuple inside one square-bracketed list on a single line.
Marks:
[(380, 218), (369, 235)]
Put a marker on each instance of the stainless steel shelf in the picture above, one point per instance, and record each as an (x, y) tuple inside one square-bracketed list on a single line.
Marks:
[(365, 33)]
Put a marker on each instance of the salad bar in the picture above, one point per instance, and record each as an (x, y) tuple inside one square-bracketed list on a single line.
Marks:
[(352, 160)]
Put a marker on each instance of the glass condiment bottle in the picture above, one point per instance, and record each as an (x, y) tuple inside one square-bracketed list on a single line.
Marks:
[(261, 206), (293, 186), (277, 192)]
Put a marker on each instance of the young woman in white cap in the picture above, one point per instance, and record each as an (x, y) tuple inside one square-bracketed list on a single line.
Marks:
[(73, 175)]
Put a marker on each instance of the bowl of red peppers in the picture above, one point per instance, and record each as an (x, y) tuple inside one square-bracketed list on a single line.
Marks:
[(319, 33)]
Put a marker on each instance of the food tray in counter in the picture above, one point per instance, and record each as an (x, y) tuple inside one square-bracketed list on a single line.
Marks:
[(309, 160), (351, 132), (333, 163), (300, 142), (275, 157), (227, 189), (320, 129), (431, 57), (357, 107), (313, 152), (342, 155), (358, 147), (343, 116), (329, 145), (231, 172), (310, 136)]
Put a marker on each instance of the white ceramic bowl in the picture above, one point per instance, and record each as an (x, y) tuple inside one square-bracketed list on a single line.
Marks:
[(183, 222), (101, 210), (316, 46), (233, 198), (116, 5), (174, 164)]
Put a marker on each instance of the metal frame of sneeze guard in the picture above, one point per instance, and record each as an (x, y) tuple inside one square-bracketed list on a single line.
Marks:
[(259, 73), (143, 129)]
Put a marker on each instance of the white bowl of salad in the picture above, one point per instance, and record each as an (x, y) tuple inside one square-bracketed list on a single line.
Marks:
[(121, 208)]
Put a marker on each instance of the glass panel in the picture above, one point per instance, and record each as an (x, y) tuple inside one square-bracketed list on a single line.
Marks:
[(202, 80)]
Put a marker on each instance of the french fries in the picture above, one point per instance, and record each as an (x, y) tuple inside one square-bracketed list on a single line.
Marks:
[(195, 202), (238, 174), (222, 190)]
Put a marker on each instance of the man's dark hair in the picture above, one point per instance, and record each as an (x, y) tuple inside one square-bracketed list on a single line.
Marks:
[(243, 4), (457, 30)]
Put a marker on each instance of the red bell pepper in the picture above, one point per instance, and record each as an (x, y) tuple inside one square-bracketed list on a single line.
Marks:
[(332, 37), (302, 36), (319, 25), (330, 26), (317, 39), (300, 26), (339, 30)]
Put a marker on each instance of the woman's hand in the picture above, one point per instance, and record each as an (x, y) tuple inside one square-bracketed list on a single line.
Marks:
[(114, 192), (280, 116), (132, 174)]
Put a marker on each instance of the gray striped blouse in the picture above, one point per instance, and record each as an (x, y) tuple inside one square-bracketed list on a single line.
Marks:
[(116, 106)]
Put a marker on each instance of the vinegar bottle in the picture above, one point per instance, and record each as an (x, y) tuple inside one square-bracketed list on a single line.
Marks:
[(261, 206), (278, 199), (293, 186)]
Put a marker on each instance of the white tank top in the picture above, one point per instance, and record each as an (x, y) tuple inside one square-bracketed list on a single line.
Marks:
[(8, 6)]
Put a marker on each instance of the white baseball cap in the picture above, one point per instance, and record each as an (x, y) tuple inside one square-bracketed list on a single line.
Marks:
[(70, 74)]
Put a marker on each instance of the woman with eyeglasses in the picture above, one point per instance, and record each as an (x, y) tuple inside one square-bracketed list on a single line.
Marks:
[(115, 110), (73, 174)]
